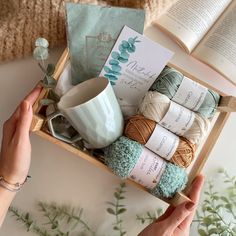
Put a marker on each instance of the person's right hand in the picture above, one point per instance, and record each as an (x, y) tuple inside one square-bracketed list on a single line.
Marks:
[(176, 221)]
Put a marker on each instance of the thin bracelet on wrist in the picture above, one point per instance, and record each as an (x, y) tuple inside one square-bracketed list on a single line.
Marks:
[(11, 187)]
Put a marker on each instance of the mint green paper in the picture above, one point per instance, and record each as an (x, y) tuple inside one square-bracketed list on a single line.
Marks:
[(92, 31)]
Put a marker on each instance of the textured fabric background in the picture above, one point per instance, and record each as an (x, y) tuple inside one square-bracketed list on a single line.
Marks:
[(22, 21)]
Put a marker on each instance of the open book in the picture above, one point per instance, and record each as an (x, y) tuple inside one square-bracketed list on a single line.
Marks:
[(206, 29)]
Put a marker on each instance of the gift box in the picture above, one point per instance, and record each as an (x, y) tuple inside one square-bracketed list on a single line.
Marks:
[(226, 106)]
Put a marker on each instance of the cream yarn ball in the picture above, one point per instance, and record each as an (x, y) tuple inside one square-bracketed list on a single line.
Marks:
[(155, 105)]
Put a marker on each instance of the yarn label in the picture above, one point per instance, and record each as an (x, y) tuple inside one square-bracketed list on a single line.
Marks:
[(190, 94), (163, 142), (148, 170), (178, 119)]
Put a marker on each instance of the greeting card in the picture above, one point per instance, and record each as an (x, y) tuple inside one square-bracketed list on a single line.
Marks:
[(132, 66)]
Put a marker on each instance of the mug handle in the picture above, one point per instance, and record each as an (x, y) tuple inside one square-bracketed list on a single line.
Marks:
[(56, 135)]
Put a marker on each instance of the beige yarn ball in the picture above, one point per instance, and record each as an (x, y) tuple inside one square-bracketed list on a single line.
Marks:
[(155, 105)]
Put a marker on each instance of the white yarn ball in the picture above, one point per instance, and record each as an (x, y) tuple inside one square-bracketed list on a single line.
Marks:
[(155, 105)]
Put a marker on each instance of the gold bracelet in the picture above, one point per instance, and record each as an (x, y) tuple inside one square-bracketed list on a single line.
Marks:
[(11, 187)]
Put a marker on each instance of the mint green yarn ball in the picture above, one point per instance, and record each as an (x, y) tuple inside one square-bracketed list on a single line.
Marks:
[(122, 155), (168, 83)]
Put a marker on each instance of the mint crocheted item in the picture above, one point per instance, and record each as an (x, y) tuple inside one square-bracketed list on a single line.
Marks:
[(173, 180), (122, 155)]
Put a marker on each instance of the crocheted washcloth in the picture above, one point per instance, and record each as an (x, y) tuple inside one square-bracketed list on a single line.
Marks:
[(22, 21), (122, 156)]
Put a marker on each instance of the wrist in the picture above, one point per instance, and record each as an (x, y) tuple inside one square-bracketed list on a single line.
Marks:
[(13, 178), (8, 194), (12, 187)]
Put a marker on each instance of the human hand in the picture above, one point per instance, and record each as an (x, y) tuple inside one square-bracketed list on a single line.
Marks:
[(176, 221), (15, 153)]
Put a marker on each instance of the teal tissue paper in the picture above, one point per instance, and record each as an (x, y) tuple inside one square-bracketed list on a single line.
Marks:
[(91, 33)]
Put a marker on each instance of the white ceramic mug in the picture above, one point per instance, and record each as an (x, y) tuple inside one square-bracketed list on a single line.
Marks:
[(92, 109)]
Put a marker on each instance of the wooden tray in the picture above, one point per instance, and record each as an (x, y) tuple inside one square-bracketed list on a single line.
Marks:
[(227, 105)]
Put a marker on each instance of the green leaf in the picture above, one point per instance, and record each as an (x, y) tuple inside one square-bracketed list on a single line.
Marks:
[(49, 80), (120, 211), (111, 211), (117, 195), (40, 53), (234, 229), (27, 216), (41, 42), (50, 69), (46, 101), (202, 232), (111, 203), (213, 231), (225, 234), (229, 206), (224, 199), (52, 95), (207, 221)]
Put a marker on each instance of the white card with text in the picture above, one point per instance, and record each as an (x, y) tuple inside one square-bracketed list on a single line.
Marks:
[(132, 66)]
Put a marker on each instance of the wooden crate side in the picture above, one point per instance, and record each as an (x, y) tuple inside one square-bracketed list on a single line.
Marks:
[(37, 123), (178, 199), (227, 104), (207, 148)]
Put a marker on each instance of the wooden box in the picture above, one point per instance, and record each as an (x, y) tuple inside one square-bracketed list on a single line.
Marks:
[(227, 105)]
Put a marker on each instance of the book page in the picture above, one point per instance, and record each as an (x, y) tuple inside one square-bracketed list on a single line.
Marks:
[(218, 48), (189, 20)]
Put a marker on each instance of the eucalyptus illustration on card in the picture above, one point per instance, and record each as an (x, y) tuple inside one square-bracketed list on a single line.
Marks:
[(132, 66)]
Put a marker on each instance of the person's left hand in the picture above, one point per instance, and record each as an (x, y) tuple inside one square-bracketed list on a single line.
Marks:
[(16, 148)]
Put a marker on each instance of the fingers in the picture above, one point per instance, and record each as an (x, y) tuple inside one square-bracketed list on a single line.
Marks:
[(167, 213), (31, 98), (196, 188), (24, 120), (33, 95), (179, 214), (194, 195)]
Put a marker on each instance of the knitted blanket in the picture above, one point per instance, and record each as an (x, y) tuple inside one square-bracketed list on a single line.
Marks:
[(22, 21)]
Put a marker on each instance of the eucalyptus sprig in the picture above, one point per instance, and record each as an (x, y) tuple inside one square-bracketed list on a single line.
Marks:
[(117, 209), (29, 223), (60, 220), (41, 55), (57, 215), (149, 217), (217, 215)]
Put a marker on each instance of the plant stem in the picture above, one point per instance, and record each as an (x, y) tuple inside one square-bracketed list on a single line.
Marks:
[(52, 220), (29, 223), (62, 211), (216, 213)]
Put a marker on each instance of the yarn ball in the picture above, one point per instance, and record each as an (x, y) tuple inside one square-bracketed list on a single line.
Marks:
[(122, 155), (155, 105), (168, 83), (140, 129)]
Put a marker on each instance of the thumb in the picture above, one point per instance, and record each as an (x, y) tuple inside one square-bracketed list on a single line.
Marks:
[(179, 214), (24, 119)]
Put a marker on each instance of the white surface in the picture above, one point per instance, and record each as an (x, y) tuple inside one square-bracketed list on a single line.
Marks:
[(60, 176)]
